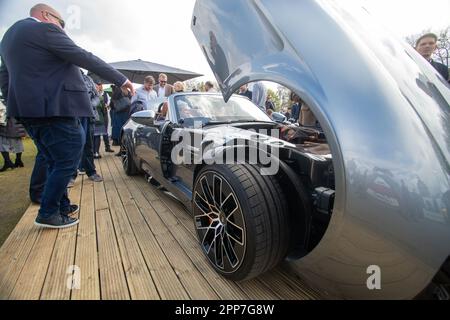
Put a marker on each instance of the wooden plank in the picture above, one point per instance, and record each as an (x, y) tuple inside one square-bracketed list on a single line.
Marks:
[(255, 289), (86, 257), (284, 289), (17, 237), (112, 275), (31, 279), (297, 282), (100, 199), (192, 280), (167, 282), (113, 283), (224, 289), (55, 285), (15, 251), (139, 279)]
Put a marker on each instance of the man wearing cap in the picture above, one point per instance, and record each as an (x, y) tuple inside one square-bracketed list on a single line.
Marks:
[(41, 80), (426, 45)]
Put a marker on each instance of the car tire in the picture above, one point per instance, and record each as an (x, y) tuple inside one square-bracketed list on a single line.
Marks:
[(127, 159), (243, 229)]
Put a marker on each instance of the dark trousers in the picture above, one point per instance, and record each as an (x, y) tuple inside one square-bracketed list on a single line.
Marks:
[(97, 141), (61, 143), (87, 159), (120, 118), (106, 141), (38, 177)]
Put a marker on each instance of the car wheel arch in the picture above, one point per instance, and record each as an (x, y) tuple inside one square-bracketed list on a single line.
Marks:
[(292, 187)]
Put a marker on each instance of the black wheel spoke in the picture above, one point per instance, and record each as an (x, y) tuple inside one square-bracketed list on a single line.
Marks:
[(202, 222), (208, 240), (218, 251), (217, 187), (229, 251), (201, 203), (207, 191), (235, 232), (229, 206)]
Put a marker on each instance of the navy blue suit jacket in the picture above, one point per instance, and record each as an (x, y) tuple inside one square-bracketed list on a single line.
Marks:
[(441, 68), (40, 75)]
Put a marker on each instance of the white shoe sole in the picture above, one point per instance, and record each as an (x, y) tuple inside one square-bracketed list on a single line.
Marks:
[(49, 226)]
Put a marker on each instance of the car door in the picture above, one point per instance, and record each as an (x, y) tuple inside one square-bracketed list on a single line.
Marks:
[(147, 146), (176, 153)]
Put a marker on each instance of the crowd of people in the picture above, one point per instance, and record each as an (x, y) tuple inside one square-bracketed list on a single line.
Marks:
[(67, 114), (299, 112)]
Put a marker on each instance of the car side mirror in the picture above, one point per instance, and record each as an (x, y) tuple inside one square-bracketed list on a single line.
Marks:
[(145, 118)]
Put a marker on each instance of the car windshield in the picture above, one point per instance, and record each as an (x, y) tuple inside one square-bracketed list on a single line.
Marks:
[(212, 109)]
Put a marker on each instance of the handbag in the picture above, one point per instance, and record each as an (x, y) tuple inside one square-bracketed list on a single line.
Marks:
[(122, 104)]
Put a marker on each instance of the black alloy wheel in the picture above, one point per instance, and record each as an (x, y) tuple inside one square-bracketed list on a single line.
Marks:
[(241, 219)]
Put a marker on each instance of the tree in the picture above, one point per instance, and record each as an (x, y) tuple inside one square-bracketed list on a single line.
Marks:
[(284, 95), (443, 47), (442, 53), (193, 84), (275, 99)]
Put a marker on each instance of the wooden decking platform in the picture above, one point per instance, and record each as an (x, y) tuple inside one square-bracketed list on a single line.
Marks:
[(133, 242)]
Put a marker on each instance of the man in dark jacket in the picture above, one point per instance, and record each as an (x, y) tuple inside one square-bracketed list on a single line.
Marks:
[(426, 45), (41, 81), (296, 107), (243, 91)]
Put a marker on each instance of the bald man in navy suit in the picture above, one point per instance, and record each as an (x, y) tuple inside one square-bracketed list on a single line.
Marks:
[(40, 78)]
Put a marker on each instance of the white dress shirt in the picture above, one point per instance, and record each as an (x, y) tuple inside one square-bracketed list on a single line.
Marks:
[(145, 96)]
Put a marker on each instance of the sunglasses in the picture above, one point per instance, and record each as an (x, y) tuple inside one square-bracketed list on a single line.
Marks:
[(162, 81), (61, 21)]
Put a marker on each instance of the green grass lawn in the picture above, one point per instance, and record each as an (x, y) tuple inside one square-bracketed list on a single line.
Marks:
[(14, 184)]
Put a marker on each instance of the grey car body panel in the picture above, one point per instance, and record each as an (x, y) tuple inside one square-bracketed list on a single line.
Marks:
[(385, 112)]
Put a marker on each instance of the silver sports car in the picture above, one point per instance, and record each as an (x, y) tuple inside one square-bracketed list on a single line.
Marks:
[(386, 118)]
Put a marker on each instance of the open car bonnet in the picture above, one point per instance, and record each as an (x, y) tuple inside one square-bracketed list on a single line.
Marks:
[(333, 53)]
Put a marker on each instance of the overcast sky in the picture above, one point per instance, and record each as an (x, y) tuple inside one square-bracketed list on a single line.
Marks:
[(159, 31)]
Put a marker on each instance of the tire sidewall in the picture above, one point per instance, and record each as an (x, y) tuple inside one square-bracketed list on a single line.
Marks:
[(130, 168)]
